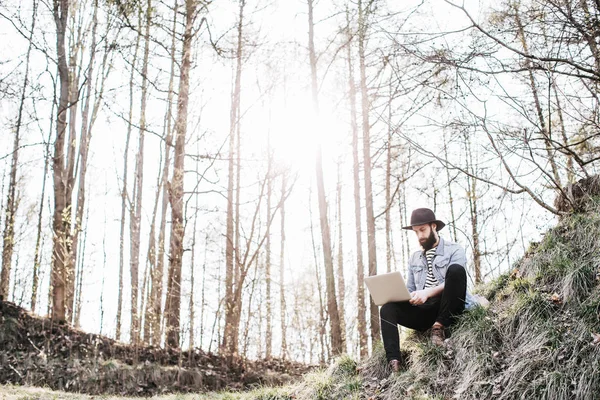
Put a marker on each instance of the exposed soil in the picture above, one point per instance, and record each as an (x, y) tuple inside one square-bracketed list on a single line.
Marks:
[(35, 351)]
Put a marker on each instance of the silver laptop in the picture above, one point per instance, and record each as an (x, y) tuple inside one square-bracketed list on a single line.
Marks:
[(386, 288)]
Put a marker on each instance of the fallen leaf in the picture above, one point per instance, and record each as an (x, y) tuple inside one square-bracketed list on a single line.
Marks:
[(515, 274), (556, 299), (596, 339)]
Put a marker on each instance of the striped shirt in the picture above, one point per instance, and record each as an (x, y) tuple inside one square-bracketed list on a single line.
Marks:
[(431, 279)]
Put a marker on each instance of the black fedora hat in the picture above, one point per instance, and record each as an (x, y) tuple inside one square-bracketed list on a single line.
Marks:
[(422, 216)]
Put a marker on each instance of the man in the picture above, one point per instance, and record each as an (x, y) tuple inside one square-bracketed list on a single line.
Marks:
[(437, 282)]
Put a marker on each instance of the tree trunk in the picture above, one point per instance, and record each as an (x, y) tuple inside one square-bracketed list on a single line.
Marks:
[(11, 201), (563, 131), (176, 186), (157, 278), (124, 195), (75, 50), (340, 269), (332, 307), (472, 196), (202, 298), (229, 344), (250, 314), (371, 244), (192, 310), (269, 329), (136, 212), (84, 145), (388, 176), (38, 239), (60, 222), (450, 198), (80, 275), (360, 269), (322, 319), (284, 349)]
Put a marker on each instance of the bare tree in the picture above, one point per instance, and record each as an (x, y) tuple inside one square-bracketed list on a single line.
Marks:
[(229, 344), (332, 307), (156, 292), (135, 218), (363, 13), (12, 201), (284, 349), (173, 306), (340, 260), (124, 193), (62, 190), (269, 313), (360, 271)]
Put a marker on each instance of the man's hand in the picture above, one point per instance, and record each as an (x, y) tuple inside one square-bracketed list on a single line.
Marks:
[(419, 297)]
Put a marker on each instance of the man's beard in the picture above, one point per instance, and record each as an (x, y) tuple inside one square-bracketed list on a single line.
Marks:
[(429, 242)]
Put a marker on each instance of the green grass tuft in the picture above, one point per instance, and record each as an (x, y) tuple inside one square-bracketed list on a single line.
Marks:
[(344, 366), (491, 290)]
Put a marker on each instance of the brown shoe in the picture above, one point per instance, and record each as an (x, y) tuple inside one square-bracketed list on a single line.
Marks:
[(394, 365), (437, 335)]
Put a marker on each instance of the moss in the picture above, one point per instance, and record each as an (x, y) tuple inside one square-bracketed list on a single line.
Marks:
[(353, 385), (492, 289), (520, 285), (344, 366)]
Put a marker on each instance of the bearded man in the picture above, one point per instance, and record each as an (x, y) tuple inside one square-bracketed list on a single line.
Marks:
[(437, 282)]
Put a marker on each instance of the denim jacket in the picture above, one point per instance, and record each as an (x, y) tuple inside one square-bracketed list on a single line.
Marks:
[(446, 254)]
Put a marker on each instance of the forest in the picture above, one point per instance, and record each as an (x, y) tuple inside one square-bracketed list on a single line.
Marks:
[(223, 175)]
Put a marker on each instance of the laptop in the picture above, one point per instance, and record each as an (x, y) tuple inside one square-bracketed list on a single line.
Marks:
[(386, 288)]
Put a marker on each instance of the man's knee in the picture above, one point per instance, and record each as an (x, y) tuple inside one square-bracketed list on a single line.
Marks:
[(456, 271), (386, 310)]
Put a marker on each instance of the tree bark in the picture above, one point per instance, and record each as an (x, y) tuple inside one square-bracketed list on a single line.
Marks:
[(322, 318), (38, 240), (229, 344), (156, 293), (12, 201), (340, 264), (360, 269), (269, 328), (124, 195), (332, 307), (75, 50), (60, 223), (371, 243), (388, 176), (84, 145), (472, 196), (450, 197), (136, 211), (284, 350), (176, 184)]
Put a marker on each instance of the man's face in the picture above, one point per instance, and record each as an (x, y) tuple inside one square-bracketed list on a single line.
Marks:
[(426, 235)]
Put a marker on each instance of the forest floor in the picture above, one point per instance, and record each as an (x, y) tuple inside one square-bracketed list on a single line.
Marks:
[(36, 352)]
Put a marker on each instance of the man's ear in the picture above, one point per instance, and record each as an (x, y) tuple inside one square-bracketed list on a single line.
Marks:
[(433, 226)]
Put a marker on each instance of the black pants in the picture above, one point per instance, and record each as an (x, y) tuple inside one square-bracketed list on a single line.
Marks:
[(442, 309)]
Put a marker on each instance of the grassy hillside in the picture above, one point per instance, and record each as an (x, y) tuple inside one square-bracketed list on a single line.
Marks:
[(537, 340)]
